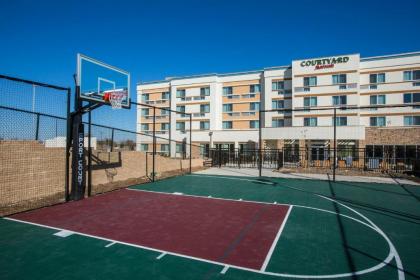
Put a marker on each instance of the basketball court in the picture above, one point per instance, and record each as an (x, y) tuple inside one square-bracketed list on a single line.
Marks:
[(203, 226)]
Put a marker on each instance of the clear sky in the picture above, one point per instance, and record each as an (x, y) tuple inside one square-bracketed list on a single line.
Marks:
[(156, 39)]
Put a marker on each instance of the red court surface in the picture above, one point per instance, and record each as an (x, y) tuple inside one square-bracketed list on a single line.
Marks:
[(231, 232)]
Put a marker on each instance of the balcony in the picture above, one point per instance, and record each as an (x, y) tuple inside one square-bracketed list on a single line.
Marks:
[(331, 87)]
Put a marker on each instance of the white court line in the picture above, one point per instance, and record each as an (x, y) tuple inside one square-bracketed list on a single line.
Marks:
[(230, 178), (161, 256), (224, 269), (64, 233), (273, 245), (109, 245)]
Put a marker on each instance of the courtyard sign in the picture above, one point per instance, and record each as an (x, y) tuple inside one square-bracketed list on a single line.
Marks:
[(324, 62)]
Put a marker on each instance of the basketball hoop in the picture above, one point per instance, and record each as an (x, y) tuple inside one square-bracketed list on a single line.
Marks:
[(115, 98)]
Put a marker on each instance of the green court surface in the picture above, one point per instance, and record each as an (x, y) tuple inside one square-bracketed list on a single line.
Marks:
[(335, 230)]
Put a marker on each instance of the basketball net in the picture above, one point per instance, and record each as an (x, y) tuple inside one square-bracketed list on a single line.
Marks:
[(116, 97)]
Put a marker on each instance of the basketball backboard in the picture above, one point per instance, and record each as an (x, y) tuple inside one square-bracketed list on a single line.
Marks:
[(98, 80)]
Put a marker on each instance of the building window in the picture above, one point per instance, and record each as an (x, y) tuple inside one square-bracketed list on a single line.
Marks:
[(309, 81), (165, 95), (164, 111), (254, 124), (339, 79), (227, 108), (204, 125), (339, 100), (205, 91), (377, 78), (277, 85), (310, 102), (180, 126), (180, 109), (180, 148), (310, 122), (164, 126), (227, 125), (205, 108), (164, 147), (145, 97), (254, 106), (145, 112), (227, 91), (411, 97), (144, 126), (411, 120), (278, 123), (377, 121), (340, 121), (377, 99), (254, 88), (277, 104), (180, 93), (144, 147), (411, 75)]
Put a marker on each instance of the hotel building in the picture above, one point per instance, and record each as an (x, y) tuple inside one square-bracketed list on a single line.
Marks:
[(226, 106)]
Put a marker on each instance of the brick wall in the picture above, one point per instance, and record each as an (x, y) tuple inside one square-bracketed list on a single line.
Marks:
[(392, 136)]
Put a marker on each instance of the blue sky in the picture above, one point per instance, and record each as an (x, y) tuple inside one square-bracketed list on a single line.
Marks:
[(155, 39)]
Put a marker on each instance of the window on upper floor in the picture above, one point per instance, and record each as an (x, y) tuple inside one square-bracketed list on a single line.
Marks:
[(145, 112), (165, 95), (340, 121), (339, 79), (204, 125), (411, 75), (377, 121), (377, 99), (180, 109), (339, 100), (180, 126), (227, 91), (411, 120), (144, 126), (205, 91), (164, 126), (254, 124), (377, 78), (164, 112), (277, 104), (227, 108), (180, 148), (277, 85), (310, 121), (277, 123), (255, 88), (254, 106), (227, 125), (180, 93), (144, 147), (205, 108), (309, 81), (310, 101), (145, 97), (411, 97)]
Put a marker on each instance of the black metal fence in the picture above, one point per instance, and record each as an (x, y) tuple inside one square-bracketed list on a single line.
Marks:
[(316, 158)]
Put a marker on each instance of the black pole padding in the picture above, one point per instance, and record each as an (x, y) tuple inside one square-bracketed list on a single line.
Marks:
[(190, 143), (335, 142), (154, 144)]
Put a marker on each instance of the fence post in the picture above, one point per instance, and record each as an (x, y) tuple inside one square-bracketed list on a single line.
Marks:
[(259, 143), (68, 144), (90, 154), (335, 142), (37, 127), (112, 140)]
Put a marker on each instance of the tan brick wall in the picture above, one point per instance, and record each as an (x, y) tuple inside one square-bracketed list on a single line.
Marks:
[(392, 136)]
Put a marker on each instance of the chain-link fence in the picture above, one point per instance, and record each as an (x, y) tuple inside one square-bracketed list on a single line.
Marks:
[(32, 144)]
